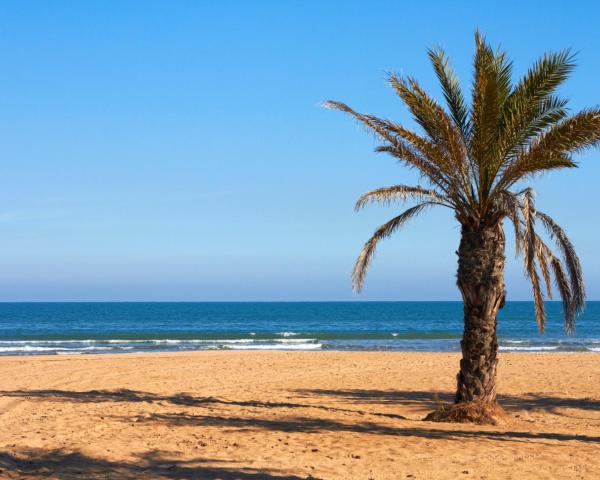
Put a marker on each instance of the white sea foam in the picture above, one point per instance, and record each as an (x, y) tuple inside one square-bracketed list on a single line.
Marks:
[(292, 340), (285, 340), (44, 342), (296, 346), (58, 350), (287, 334), (225, 340), (169, 341), (29, 348), (529, 349), (42, 345)]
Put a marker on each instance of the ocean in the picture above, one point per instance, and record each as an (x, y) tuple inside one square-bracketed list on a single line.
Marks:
[(76, 328)]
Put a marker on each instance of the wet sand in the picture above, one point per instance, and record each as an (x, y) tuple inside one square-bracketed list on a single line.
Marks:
[(291, 415)]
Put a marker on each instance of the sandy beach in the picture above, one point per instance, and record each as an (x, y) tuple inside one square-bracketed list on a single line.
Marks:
[(291, 415)]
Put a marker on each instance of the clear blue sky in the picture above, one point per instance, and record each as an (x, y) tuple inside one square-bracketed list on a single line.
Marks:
[(177, 150)]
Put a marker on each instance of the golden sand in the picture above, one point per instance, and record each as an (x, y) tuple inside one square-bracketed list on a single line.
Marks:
[(291, 415)]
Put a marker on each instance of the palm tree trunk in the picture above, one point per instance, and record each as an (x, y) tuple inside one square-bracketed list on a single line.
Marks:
[(480, 279)]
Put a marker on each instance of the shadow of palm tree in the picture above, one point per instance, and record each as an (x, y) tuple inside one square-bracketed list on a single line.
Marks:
[(180, 399), (63, 465), (308, 424), (428, 399), (319, 425)]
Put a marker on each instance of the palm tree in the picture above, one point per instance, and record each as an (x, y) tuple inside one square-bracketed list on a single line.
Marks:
[(474, 160)]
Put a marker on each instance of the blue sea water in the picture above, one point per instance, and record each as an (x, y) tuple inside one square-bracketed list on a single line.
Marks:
[(75, 328)]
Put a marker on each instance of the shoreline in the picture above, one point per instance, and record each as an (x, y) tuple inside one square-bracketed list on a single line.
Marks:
[(291, 415), (124, 355), (158, 353)]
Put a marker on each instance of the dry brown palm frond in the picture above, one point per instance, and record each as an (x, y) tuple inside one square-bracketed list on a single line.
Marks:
[(431, 173), (508, 203), (570, 258), (542, 258), (562, 284), (545, 257), (452, 163), (570, 310), (426, 111), (387, 195), (427, 148), (529, 253), (438, 125), (531, 163), (402, 148), (366, 255)]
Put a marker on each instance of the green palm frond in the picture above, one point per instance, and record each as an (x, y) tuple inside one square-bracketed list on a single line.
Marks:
[(571, 135), (531, 106), (452, 92), (491, 88), (553, 148)]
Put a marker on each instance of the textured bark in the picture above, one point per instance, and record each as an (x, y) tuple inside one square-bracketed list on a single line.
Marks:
[(480, 279)]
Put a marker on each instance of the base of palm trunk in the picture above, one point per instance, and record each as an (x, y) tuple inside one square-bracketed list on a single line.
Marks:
[(481, 413)]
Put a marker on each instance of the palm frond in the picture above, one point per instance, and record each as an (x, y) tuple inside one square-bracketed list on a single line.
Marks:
[(540, 82), (542, 258), (570, 258), (426, 111), (530, 164), (452, 92), (387, 195), (404, 145), (426, 147), (553, 148), (491, 88), (521, 127), (531, 106), (571, 135), (570, 311), (366, 255), (562, 284), (509, 205), (410, 157), (529, 254), (438, 125)]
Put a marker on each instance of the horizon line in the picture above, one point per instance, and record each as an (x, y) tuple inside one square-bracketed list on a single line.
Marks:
[(266, 301)]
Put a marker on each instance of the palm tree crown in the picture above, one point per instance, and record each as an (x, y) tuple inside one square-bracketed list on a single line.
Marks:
[(474, 159)]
